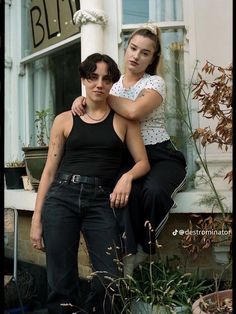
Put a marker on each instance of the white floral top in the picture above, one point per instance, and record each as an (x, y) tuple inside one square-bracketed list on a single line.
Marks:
[(153, 125)]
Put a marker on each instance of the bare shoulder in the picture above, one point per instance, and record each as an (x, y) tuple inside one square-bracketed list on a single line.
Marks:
[(64, 117), (63, 123)]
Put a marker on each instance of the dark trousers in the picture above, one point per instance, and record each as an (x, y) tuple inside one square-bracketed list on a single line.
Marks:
[(152, 196), (68, 209)]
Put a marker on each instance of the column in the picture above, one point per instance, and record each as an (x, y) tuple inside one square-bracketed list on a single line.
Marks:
[(91, 19)]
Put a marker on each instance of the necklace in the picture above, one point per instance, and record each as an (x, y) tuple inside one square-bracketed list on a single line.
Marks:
[(103, 116)]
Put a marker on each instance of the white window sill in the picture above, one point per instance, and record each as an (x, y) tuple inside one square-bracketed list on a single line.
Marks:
[(187, 202)]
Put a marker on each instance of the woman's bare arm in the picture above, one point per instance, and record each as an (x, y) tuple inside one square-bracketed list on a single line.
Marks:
[(137, 149), (55, 151), (136, 109)]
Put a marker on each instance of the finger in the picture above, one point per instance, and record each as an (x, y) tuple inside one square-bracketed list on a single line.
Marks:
[(84, 102), (75, 110), (78, 111), (38, 244), (122, 201), (112, 201), (117, 203), (126, 199)]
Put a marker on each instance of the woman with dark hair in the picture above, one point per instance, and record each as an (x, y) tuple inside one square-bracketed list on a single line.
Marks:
[(139, 95), (78, 193)]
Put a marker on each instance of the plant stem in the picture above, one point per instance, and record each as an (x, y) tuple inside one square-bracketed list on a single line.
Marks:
[(188, 123)]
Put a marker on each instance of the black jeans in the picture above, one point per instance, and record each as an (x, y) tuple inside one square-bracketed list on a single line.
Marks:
[(151, 198), (68, 209)]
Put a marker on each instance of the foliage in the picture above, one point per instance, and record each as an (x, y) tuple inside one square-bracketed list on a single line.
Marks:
[(215, 97), (43, 117), (214, 94), (15, 163), (205, 231), (162, 283)]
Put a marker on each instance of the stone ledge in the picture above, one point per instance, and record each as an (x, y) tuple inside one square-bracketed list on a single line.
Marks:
[(187, 202)]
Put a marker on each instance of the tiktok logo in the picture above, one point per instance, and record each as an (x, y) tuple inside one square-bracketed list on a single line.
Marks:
[(175, 232)]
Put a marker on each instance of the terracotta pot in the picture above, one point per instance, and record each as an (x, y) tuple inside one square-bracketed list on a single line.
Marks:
[(220, 295)]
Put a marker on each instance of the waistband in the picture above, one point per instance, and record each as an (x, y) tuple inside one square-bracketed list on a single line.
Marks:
[(77, 178)]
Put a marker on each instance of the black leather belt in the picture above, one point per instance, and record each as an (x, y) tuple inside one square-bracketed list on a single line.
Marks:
[(77, 178)]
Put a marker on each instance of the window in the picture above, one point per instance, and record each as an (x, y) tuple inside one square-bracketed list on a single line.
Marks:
[(51, 55), (142, 11)]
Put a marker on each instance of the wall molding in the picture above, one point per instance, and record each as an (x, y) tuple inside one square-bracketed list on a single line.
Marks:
[(82, 17)]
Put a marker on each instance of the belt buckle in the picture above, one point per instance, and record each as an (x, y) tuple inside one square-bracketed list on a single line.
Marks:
[(75, 178)]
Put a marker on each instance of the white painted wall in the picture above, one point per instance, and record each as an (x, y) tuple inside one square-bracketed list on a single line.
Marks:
[(213, 42), (214, 31)]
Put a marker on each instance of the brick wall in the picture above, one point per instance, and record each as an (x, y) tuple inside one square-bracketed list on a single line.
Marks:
[(170, 245), (25, 251)]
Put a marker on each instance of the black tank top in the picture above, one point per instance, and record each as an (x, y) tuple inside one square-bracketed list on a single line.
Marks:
[(93, 149)]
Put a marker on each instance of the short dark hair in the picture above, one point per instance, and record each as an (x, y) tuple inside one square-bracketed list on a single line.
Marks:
[(89, 65)]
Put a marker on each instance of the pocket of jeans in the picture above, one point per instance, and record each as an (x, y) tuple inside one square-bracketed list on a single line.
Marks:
[(56, 185), (103, 191)]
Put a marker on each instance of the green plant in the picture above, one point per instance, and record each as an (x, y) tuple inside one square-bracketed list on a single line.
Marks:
[(162, 283), (42, 122), (15, 163)]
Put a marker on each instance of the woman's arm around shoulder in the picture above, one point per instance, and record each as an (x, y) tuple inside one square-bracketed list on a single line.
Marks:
[(149, 98)]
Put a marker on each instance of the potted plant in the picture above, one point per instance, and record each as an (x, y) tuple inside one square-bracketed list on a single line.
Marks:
[(160, 287), (216, 302), (219, 301), (35, 156), (14, 170)]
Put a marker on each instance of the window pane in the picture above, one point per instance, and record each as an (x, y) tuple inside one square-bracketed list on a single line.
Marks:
[(54, 83), (135, 11), (173, 71), (165, 10), (65, 66), (143, 11)]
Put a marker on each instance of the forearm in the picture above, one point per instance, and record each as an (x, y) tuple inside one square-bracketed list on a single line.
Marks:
[(45, 182), (123, 106), (140, 169), (139, 108)]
